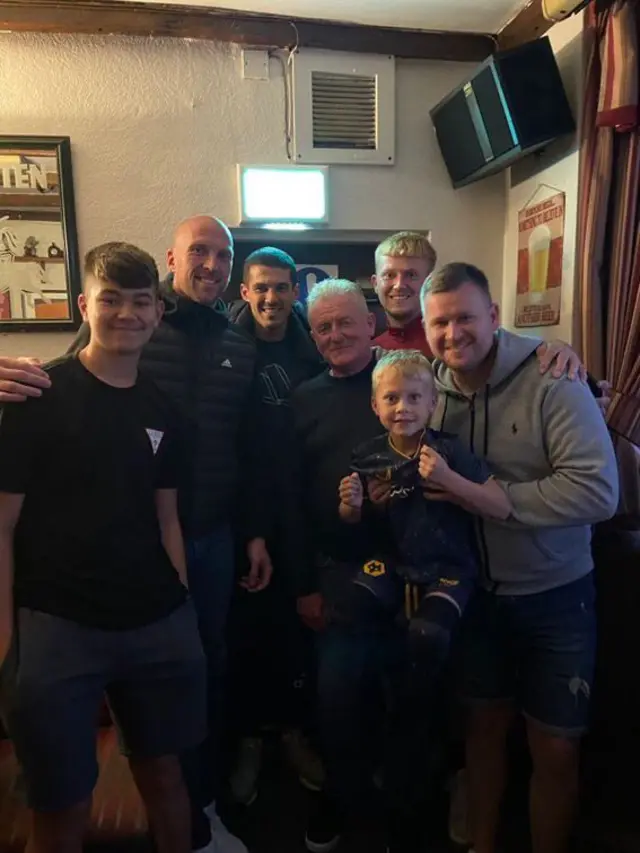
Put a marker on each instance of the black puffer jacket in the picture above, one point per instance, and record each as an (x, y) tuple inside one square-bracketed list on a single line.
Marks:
[(206, 367)]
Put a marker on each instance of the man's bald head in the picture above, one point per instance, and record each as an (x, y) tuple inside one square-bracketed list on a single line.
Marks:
[(201, 258), (212, 223)]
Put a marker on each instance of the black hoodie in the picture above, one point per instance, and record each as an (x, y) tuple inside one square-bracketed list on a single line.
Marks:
[(281, 367)]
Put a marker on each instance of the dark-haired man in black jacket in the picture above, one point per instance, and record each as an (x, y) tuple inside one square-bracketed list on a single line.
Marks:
[(270, 650)]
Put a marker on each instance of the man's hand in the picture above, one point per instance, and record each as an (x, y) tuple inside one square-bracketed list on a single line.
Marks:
[(350, 491), (21, 378), (260, 567), (604, 400), (564, 360), (433, 469), (378, 491), (311, 611)]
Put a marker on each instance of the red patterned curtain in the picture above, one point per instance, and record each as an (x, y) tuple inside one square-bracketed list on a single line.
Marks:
[(608, 305)]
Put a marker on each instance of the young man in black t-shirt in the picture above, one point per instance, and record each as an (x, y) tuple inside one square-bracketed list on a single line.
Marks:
[(93, 596)]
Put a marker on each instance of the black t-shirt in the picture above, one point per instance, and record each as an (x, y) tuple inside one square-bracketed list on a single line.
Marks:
[(279, 372), (333, 416), (89, 457), (432, 538)]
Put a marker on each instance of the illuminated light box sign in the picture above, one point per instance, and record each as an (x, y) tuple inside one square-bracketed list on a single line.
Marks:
[(283, 194)]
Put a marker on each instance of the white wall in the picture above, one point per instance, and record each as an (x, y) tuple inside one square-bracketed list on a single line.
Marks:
[(558, 168), (157, 126)]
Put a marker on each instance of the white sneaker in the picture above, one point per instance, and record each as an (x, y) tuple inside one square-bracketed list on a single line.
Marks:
[(459, 810), (222, 840), (244, 778)]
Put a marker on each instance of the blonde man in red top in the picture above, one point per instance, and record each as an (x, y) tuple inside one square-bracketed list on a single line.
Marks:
[(403, 262)]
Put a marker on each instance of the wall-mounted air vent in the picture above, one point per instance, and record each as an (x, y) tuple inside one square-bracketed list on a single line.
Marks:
[(343, 108)]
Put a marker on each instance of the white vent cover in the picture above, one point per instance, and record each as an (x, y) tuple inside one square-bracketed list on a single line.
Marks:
[(343, 108)]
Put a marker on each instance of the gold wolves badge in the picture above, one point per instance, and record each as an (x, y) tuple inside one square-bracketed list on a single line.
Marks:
[(449, 582), (374, 568)]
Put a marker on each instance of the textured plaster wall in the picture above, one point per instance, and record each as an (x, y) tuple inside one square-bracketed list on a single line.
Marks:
[(157, 127)]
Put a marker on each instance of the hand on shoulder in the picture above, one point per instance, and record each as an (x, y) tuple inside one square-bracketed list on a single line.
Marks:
[(21, 378)]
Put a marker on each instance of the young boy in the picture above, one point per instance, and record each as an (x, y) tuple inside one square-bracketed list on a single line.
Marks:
[(432, 560), (434, 480), (93, 596)]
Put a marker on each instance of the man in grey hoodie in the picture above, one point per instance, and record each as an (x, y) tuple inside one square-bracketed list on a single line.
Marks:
[(531, 632)]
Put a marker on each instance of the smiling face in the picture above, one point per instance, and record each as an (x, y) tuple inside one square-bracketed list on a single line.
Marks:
[(397, 283), (270, 293), (201, 259), (403, 403), (121, 319), (460, 326), (342, 328)]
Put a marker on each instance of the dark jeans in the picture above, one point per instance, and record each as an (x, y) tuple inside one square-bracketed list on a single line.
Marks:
[(380, 703), (271, 662), (210, 568), (272, 654)]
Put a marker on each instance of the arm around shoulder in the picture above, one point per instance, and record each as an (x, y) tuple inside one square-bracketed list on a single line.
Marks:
[(582, 487)]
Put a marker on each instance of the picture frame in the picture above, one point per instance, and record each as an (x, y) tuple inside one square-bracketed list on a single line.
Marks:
[(40, 276)]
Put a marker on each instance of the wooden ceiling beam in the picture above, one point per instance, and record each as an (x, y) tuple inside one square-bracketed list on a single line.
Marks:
[(527, 25), (258, 30)]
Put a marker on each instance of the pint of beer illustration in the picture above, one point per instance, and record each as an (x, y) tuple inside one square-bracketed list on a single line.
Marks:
[(539, 245)]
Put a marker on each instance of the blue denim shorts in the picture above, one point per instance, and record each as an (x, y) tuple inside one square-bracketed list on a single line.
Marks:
[(52, 685), (537, 650)]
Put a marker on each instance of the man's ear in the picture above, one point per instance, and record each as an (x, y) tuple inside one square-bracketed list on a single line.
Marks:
[(371, 322), (495, 316), (171, 262), (82, 305), (244, 291)]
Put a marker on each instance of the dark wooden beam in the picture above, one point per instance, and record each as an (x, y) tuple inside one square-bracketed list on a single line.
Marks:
[(258, 30), (527, 25)]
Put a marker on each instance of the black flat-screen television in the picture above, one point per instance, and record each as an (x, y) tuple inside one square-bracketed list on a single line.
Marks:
[(515, 103)]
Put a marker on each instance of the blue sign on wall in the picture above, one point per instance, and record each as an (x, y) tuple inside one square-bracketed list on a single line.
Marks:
[(310, 275)]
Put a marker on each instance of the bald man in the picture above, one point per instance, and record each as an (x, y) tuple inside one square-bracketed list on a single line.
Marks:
[(206, 366)]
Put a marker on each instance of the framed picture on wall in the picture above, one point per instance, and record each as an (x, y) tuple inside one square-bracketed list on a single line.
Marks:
[(39, 268)]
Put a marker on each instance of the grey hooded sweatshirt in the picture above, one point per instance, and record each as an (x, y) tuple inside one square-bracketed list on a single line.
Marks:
[(548, 446)]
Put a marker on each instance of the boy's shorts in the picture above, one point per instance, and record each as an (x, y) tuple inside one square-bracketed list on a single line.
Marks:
[(381, 580), (52, 686), (537, 650)]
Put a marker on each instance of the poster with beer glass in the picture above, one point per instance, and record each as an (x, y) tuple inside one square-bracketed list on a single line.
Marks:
[(540, 251)]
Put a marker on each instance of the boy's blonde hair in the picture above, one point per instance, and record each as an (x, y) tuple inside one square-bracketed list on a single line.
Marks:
[(408, 363), (407, 244)]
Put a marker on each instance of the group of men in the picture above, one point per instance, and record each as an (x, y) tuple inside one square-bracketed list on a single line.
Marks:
[(252, 428)]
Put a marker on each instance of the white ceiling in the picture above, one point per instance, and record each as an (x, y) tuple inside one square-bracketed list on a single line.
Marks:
[(483, 16)]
